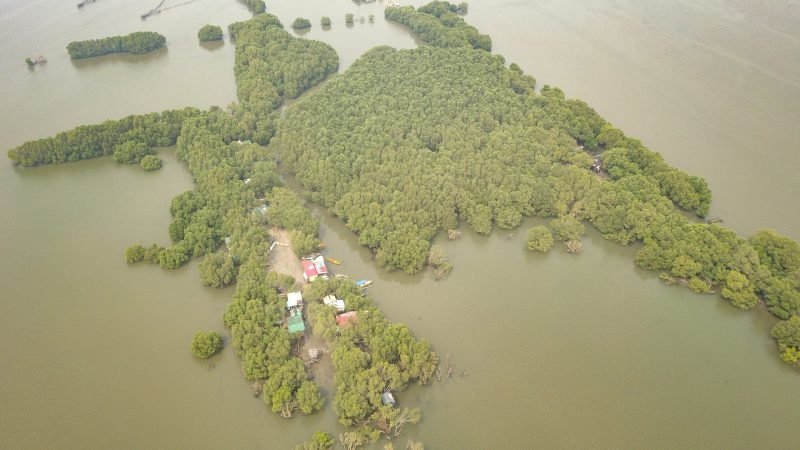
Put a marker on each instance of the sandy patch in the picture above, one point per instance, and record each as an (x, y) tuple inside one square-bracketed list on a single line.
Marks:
[(282, 258)]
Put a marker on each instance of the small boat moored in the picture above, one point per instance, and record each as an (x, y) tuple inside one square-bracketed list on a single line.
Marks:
[(333, 261), (363, 283)]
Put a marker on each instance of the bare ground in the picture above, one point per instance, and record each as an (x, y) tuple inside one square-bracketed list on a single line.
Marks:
[(282, 258)]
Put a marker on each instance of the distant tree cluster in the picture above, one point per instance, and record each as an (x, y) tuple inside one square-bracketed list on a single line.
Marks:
[(94, 141), (325, 21), (438, 24), (210, 33), (348, 19), (301, 23), (137, 43), (255, 6), (206, 343)]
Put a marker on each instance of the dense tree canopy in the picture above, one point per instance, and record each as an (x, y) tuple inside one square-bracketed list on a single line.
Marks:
[(450, 134), (272, 65), (136, 43), (131, 152)]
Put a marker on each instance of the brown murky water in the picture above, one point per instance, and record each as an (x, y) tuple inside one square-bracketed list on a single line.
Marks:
[(551, 351)]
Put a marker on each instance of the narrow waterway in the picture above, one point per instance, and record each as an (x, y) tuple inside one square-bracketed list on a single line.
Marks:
[(548, 351)]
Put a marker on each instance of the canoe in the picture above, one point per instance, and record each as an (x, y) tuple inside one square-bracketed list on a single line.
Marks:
[(363, 283), (333, 261)]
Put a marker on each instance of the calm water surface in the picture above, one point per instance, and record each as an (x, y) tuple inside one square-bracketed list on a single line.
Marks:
[(556, 351)]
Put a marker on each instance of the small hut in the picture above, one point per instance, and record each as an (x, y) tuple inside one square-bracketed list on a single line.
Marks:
[(387, 398)]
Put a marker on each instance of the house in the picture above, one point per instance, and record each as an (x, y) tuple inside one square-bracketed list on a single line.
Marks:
[(313, 267), (331, 300), (295, 322), (262, 210), (294, 300), (346, 319), (387, 398)]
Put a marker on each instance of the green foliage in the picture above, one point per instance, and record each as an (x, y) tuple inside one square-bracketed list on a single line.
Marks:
[(438, 260), (348, 19), (134, 253), (779, 254), (304, 244), (699, 286), (217, 270), (463, 7), (94, 141), (688, 192), (325, 21), (567, 228), (255, 6), (540, 239), (206, 343), (150, 163), (787, 332), (787, 335), (319, 441), (29, 62), (210, 33), (173, 257), (272, 64), (739, 291), (137, 43), (438, 24), (131, 152), (287, 390), (301, 23)]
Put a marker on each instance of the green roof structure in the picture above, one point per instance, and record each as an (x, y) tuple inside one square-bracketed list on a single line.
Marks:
[(296, 324)]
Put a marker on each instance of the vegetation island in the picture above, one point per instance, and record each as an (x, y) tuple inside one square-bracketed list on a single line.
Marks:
[(136, 43), (452, 135), (209, 33)]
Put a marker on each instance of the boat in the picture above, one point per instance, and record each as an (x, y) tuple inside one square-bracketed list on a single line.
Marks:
[(363, 283), (333, 261)]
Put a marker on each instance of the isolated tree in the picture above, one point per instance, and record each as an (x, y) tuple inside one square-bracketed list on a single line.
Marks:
[(210, 33), (540, 239), (206, 343)]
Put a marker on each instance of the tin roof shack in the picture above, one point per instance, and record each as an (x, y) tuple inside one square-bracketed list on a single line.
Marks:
[(387, 398), (346, 319), (294, 300), (313, 267), (295, 322), (331, 300)]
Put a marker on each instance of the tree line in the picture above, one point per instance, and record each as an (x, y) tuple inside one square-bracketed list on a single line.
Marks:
[(137, 43), (93, 141)]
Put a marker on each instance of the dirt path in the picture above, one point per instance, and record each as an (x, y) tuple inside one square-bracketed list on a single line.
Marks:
[(282, 258)]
